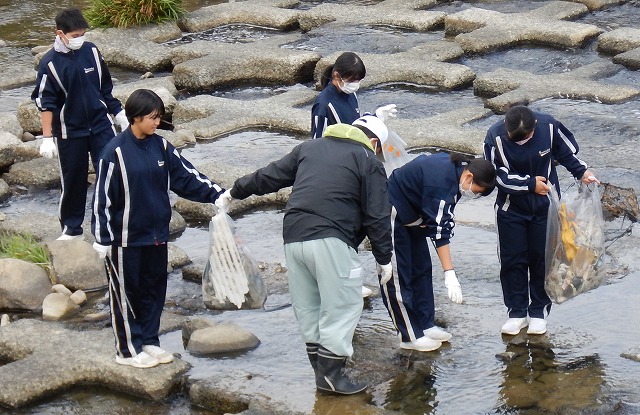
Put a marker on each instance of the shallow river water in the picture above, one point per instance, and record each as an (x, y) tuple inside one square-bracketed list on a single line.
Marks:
[(577, 368)]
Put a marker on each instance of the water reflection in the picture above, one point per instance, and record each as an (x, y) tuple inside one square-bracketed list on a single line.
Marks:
[(536, 380), (413, 391)]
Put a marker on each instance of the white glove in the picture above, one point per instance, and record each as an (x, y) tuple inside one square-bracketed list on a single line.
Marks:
[(386, 112), (122, 121), (385, 272), (102, 250), (223, 201), (48, 148), (452, 284)]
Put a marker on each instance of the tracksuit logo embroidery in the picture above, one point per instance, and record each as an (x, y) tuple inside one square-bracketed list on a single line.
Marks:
[(88, 70), (160, 163), (544, 153)]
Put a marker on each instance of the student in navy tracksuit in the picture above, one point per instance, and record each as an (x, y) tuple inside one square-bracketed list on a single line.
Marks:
[(136, 171), (424, 193), (338, 102), (73, 93), (524, 149)]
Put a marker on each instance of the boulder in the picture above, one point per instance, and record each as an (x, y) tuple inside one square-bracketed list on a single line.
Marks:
[(40, 173), (222, 338), (76, 264), (23, 285), (9, 123), (58, 306), (193, 324), (8, 143)]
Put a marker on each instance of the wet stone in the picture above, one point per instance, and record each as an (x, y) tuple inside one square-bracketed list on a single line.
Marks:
[(210, 117), (35, 350), (433, 69), (480, 31), (399, 13), (446, 130), (262, 61), (136, 48), (624, 43), (270, 13), (509, 86)]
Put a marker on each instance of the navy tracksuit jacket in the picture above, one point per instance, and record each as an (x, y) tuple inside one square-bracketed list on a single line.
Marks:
[(132, 214), (521, 214), (424, 193), (76, 87), (331, 107)]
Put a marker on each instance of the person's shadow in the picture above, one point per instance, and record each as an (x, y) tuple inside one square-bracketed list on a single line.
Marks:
[(537, 381)]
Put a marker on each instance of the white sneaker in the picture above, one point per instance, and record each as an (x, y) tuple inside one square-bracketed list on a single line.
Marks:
[(537, 326), (65, 237), (366, 292), (141, 360), (514, 325), (162, 355), (423, 344), (436, 333)]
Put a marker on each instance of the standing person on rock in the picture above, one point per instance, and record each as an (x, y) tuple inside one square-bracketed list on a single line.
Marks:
[(524, 148), (424, 192), (131, 215), (338, 102), (73, 94), (339, 196)]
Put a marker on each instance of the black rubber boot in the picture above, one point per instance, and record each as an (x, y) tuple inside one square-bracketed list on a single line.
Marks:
[(312, 352), (330, 376)]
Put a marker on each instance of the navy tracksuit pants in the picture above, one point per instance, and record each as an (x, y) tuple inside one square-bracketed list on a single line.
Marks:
[(137, 291), (522, 243), (73, 154), (408, 295)]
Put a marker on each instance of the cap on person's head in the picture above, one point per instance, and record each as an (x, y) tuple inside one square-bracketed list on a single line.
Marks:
[(375, 126)]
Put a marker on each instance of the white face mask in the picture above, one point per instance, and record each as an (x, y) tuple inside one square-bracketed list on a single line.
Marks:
[(350, 87), (468, 192), (75, 43)]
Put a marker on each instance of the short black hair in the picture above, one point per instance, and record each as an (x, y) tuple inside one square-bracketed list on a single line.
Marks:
[(519, 121), (70, 20), (143, 102)]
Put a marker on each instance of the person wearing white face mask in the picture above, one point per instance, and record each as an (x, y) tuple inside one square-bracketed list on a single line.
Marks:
[(524, 147), (424, 193), (338, 102), (73, 94)]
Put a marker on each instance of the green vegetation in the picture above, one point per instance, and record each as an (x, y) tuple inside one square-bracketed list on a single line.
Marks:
[(24, 247), (124, 13)]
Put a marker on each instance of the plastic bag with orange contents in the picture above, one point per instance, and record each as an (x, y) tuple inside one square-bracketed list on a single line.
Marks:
[(395, 153), (575, 243)]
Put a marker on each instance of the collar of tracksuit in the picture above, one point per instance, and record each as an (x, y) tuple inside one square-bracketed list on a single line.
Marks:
[(348, 132)]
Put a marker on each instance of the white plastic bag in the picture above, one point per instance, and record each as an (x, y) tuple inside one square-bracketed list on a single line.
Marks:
[(230, 267), (575, 243), (395, 153)]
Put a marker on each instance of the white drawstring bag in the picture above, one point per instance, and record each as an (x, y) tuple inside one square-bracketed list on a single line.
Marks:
[(231, 271)]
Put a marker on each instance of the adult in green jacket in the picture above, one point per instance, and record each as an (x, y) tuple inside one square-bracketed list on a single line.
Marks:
[(339, 196)]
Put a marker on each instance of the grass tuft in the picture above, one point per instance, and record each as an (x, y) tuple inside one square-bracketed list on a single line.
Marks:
[(24, 247), (125, 13)]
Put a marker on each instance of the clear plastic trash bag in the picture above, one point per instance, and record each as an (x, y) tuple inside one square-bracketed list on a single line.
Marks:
[(231, 275), (395, 153), (575, 243)]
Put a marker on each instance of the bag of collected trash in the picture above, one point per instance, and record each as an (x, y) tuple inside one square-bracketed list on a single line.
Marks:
[(231, 275), (575, 243), (395, 153)]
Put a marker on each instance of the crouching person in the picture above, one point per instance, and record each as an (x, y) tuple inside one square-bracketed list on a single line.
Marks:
[(339, 196), (131, 214)]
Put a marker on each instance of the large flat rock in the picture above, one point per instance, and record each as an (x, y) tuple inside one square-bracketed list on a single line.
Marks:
[(47, 358)]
